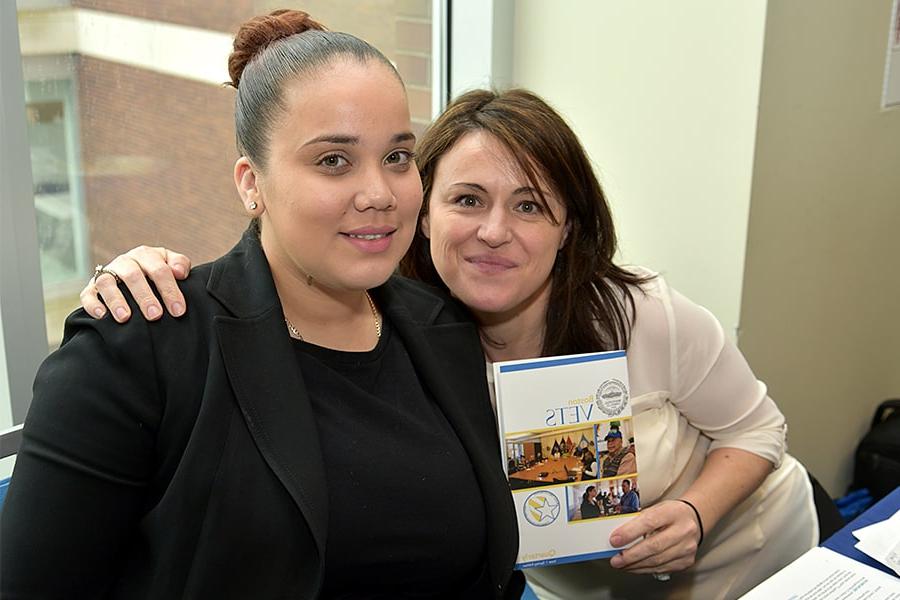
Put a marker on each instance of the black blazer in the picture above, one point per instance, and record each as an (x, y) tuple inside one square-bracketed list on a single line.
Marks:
[(180, 459)]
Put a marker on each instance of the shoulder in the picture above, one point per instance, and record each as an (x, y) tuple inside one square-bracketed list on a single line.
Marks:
[(105, 373), (195, 289), (671, 334), (651, 316), (661, 310), (133, 343), (196, 283)]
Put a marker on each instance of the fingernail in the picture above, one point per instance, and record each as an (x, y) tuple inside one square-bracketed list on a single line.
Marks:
[(178, 270), (152, 311), (121, 313), (99, 312), (615, 540), (177, 309), (616, 561)]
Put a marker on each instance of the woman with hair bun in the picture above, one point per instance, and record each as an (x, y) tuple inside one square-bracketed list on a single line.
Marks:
[(315, 427)]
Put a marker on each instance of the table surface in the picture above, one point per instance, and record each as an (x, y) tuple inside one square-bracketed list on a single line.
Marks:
[(843, 541), (555, 468)]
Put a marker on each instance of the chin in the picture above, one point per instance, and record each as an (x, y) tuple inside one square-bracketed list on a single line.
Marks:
[(372, 280), (374, 271), (365, 280), (487, 304)]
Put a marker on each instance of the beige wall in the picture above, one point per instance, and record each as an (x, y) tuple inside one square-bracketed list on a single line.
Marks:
[(664, 97), (820, 319)]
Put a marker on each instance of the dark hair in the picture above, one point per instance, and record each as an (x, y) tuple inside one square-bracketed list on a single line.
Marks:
[(591, 303), (587, 491), (271, 50)]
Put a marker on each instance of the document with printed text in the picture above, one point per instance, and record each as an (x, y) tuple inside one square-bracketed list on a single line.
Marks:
[(822, 574), (567, 439)]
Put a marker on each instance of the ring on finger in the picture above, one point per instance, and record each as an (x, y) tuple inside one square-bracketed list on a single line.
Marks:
[(100, 270)]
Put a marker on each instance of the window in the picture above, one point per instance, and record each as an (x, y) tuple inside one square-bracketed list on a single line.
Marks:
[(52, 124)]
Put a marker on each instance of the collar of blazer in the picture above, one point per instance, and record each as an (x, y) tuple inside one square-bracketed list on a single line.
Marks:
[(440, 341), (242, 282)]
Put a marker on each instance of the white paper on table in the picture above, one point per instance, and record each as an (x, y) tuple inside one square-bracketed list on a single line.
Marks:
[(881, 541), (822, 574)]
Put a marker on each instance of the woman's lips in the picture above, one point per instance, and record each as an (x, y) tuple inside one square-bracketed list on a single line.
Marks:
[(371, 240), (491, 263)]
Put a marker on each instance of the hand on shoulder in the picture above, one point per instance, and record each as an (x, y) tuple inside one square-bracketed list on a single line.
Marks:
[(135, 269)]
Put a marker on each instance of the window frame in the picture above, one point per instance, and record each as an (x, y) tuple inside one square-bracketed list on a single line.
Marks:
[(23, 332)]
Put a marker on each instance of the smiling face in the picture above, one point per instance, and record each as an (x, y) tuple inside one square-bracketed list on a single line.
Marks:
[(614, 444), (493, 240), (340, 193)]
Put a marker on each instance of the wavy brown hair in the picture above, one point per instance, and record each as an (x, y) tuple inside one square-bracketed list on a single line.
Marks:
[(591, 306)]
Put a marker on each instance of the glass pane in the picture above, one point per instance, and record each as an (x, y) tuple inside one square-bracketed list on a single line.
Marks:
[(132, 144), (54, 174)]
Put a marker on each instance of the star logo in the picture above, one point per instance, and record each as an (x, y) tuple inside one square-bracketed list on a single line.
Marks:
[(541, 508)]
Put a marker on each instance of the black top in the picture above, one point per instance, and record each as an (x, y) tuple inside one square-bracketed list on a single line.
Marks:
[(180, 458), (395, 471), (589, 510)]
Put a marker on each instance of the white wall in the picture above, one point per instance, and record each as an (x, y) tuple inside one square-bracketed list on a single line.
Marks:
[(664, 97)]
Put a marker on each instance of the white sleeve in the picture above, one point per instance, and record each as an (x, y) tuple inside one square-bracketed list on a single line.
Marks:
[(714, 388)]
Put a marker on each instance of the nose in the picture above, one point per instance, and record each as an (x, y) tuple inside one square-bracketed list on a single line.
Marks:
[(376, 192), (495, 231)]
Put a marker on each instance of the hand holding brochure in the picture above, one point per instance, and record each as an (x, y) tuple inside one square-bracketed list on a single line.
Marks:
[(568, 443)]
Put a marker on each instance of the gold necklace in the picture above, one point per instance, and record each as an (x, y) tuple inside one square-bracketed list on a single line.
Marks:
[(295, 333)]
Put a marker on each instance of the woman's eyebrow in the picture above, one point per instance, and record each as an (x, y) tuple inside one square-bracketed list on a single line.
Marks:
[(473, 186), (333, 139), (527, 189), (337, 138), (403, 137)]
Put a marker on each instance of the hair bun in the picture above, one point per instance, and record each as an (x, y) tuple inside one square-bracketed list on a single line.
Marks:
[(257, 33)]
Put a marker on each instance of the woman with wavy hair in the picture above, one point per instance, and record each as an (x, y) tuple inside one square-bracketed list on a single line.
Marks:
[(516, 226)]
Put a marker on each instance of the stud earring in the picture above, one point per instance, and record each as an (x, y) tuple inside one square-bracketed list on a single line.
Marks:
[(252, 206)]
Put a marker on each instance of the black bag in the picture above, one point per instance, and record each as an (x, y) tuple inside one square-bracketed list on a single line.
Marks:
[(878, 454)]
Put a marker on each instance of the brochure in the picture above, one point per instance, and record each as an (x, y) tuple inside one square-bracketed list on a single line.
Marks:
[(567, 439)]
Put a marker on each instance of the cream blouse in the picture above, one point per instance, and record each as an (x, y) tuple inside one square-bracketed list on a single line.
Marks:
[(692, 392)]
